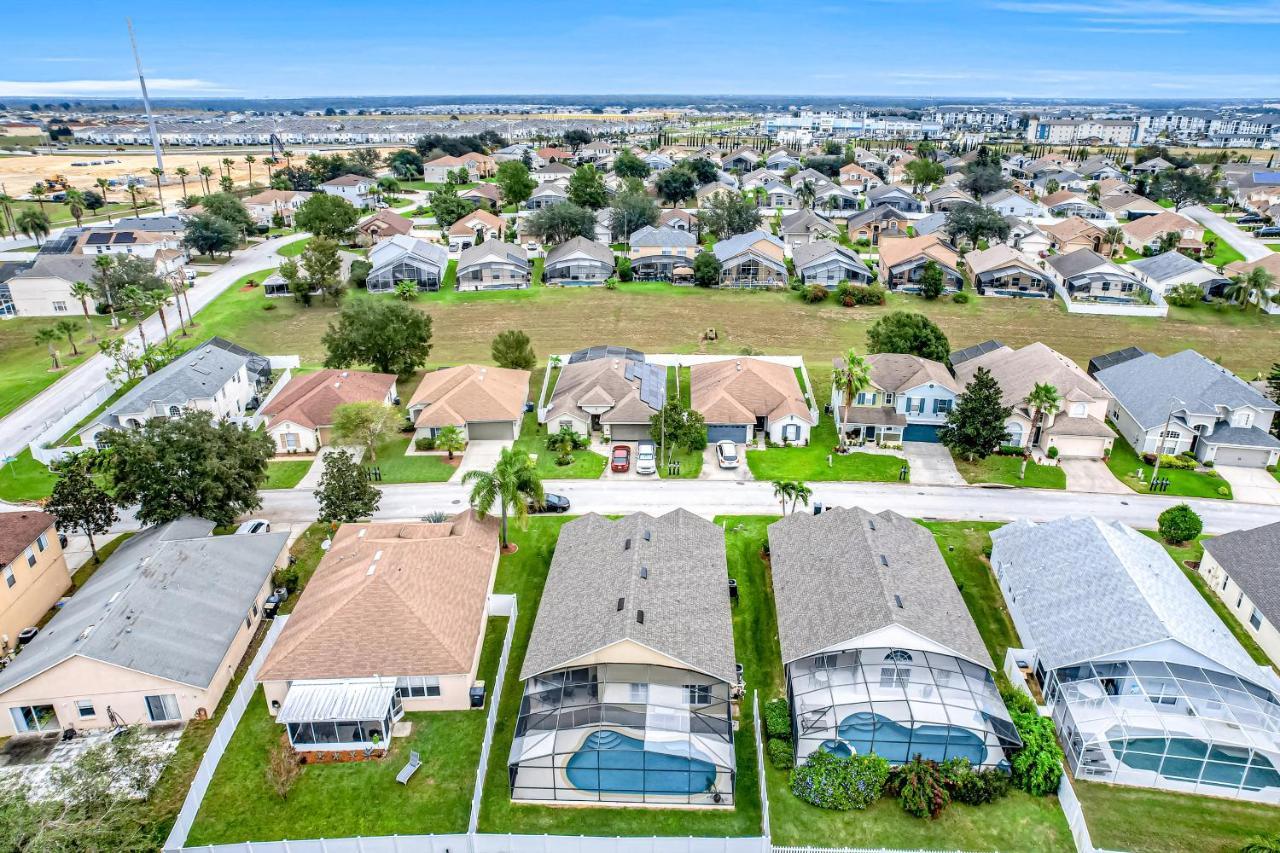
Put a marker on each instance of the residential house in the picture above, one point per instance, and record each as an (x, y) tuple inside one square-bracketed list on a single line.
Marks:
[(805, 226), (553, 172), (828, 263), (385, 224), (894, 196), (1001, 270), (1065, 179), (1152, 167), (742, 398), (43, 288), (551, 154), (929, 224), (657, 162), (780, 196), (475, 227), (478, 166), (947, 198), (482, 402), (265, 206), (740, 159), (299, 417), (216, 376), (1009, 203), (837, 199), (153, 637), (680, 220), (1129, 206), (657, 254), (487, 196), (1027, 238), (812, 177), (882, 220), (1144, 234), (1074, 233), (1068, 203), (493, 265), (629, 679), (398, 259), (1270, 263), (149, 245), (1145, 684), (392, 621), (1186, 403), (1162, 272), (34, 571), (908, 398), (614, 395), (903, 261), (754, 259), (547, 194), (1240, 567), (880, 653), (757, 178), (353, 188), (578, 261), (1100, 169), (858, 179), (1078, 428), (705, 193), (781, 160), (1085, 276)]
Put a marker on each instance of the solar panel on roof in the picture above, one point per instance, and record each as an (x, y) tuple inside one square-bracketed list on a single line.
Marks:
[(605, 351), (98, 238), (974, 351), (125, 237), (653, 382)]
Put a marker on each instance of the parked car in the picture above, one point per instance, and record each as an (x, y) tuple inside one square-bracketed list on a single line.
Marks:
[(550, 503), (727, 454), (255, 525), (646, 458), (1268, 231), (620, 460)]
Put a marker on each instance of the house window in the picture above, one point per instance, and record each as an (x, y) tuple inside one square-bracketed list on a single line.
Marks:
[(639, 692), (825, 661), (162, 708), (865, 399), (899, 656), (417, 686), (175, 412), (291, 440), (1243, 419), (1255, 619), (1239, 601), (791, 432), (59, 307), (42, 542), (84, 708), (1225, 579), (942, 406), (888, 398), (895, 676), (9, 578), (31, 557), (697, 694)]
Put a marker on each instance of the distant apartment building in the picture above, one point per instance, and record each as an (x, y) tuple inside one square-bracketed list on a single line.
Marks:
[(851, 124), (1075, 131)]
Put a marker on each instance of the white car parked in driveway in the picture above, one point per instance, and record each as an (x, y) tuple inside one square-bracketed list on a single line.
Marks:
[(727, 454), (646, 458)]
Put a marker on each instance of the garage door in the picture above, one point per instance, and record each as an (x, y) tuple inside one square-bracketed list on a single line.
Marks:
[(499, 430), (920, 432), (1243, 457), (727, 432), (1080, 446), (629, 432)]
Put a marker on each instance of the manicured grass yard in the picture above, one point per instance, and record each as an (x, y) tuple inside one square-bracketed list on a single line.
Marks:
[(1005, 469), (396, 467), (25, 479), (690, 461), (294, 249), (1125, 463), (810, 462), (586, 465), (1223, 253), (285, 475), (25, 366)]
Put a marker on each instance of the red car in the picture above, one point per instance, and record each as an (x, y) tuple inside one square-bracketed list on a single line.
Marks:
[(621, 459)]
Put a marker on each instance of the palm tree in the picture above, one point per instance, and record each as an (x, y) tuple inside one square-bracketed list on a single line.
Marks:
[(34, 224), (180, 288), (103, 186), (37, 192), (806, 193), (158, 174), (269, 162), (228, 162), (75, 204), (249, 160), (513, 484), (175, 288), (1115, 237), (137, 304), (1262, 844), (68, 328), (800, 495), (851, 378), (450, 439), (84, 291), (206, 173), (133, 198), (50, 337), (104, 264), (182, 172), (1254, 288), (784, 491), (6, 207), (160, 301), (1043, 400)]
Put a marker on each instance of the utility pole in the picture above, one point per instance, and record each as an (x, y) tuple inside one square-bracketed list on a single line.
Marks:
[(146, 100), (1155, 472)]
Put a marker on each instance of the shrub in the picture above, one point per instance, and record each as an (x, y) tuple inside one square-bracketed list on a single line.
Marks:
[(1209, 464), (920, 788), (1179, 524), (425, 442), (781, 755), (1037, 766), (841, 784), (850, 295), (815, 293), (623, 267), (960, 298), (1149, 458), (1052, 452), (1223, 491), (1010, 450), (1177, 463), (777, 718), (288, 578)]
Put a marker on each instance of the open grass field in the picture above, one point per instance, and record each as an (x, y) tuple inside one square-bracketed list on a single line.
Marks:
[(25, 366), (1006, 470), (1125, 463)]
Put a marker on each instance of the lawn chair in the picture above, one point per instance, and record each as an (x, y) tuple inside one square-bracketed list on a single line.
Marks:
[(415, 761)]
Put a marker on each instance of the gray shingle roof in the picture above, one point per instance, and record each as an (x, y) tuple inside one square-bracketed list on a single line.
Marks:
[(1074, 263), (66, 267), (1167, 266), (1085, 589), (168, 602), (1146, 386), (1224, 433), (831, 585), (1250, 558), (678, 577), (875, 213), (802, 221), (664, 236), (739, 243), (598, 251), (806, 253)]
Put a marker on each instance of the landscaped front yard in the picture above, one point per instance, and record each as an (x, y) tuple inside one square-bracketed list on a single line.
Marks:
[(397, 467), (25, 366), (586, 464), (810, 462), (1125, 464), (25, 479), (1005, 470), (1223, 253), (286, 474)]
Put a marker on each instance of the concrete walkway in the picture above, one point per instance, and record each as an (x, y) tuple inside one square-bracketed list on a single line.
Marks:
[(1255, 485), (931, 464), (480, 455), (311, 479), (1092, 475), (1246, 244)]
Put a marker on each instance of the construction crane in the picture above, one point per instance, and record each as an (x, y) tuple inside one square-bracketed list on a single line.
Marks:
[(277, 147)]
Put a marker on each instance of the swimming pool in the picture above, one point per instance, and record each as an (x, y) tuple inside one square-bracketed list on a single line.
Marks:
[(1191, 760), (867, 732), (612, 763)]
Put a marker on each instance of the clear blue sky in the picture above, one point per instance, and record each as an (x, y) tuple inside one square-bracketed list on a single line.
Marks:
[(985, 48)]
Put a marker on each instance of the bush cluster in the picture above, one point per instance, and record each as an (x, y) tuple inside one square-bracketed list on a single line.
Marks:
[(1037, 765), (815, 293), (841, 784), (925, 788), (781, 754), (777, 718), (1179, 524), (850, 295), (424, 442)]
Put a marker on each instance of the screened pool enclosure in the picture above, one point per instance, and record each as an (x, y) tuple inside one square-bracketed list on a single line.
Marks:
[(624, 733), (898, 703), (1168, 725)]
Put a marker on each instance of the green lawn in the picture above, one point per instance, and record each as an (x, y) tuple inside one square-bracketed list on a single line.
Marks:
[(962, 544), (294, 249), (60, 214), (1223, 253), (285, 475), (810, 462), (396, 467), (25, 479), (1005, 469), (678, 384), (524, 573), (586, 465), (25, 366), (1125, 463), (1145, 821)]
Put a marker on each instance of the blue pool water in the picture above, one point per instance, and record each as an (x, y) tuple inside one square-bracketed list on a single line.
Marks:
[(868, 732), (613, 763), (1193, 760), (838, 748)]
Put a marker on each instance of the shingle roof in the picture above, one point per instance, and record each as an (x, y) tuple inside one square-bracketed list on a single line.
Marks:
[(392, 599), (740, 390), (1086, 589), (898, 250), (875, 213), (806, 253), (347, 181), (169, 603), (493, 250), (597, 251), (1249, 558), (1017, 372), (848, 572), (18, 530), (733, 246), (804, 221), (613, 381), (1146, 386), (661, 237), (1167, 266), (895, 372), (605, 573), (1074, 263), (999, 256), (66, 267), (454, 396), (1235, 436), (309, 401)]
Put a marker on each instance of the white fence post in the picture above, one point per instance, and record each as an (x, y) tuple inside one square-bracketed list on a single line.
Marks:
[(764, 787), (495, 696)]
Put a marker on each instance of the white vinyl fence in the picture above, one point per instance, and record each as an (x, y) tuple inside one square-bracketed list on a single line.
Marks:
[(467, 843), (499, 605), (56, 427)]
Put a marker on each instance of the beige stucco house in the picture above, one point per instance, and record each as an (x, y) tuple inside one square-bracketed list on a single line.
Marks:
[(1241, 569), (33, 572), (152, 638), (742, 398), (299, 418), (483, 402)]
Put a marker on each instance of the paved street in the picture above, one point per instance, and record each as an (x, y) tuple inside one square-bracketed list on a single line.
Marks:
[(1247, 245)]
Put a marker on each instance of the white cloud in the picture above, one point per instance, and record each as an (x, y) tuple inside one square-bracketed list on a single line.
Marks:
[(128, 87)]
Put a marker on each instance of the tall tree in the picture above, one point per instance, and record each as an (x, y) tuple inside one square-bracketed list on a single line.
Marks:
[(327, 215), (34, 224), (981, 180), (515, 182), (1255, 289), (207, 234), (512, 484), (932, 281), (561, 222), (729, 213), (75, 203), (104, 185), (908, 332), (183, 173), (323, 266), (627, 165), (631, 211), (975, 222), (345, 494), (50, 337), (586, 188), (392, 337), (975, 428), (1043, 400), (513, 349), (851, 378), (78, 503), (448, 206), (924, 173), (38, 192), (84, 291), (364, 424), (68, 328), (158, 174), (675, 185)]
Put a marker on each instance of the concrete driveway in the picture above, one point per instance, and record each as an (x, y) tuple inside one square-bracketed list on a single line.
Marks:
[(931, 464), (711, 469), (1092, 475), (606, 450), (1246, 244), (1255, 485), (480, 455)]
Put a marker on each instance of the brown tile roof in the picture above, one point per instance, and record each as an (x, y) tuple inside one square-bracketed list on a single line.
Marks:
[(273, 196), (309, 400), (1270, 262), (1060, 196), (739, 390), (895, 250), (1148, 228), (386, 222), (18, 530), (453, 396), (466, 226), (1070, 228), (392, 599)]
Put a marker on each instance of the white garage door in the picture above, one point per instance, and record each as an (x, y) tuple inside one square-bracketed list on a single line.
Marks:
[(1075, 447), (493, 430), (1242, 457)]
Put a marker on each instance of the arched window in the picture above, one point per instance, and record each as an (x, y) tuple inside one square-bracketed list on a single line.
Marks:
[(1015, 433), (898, 656), (175, 412)]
